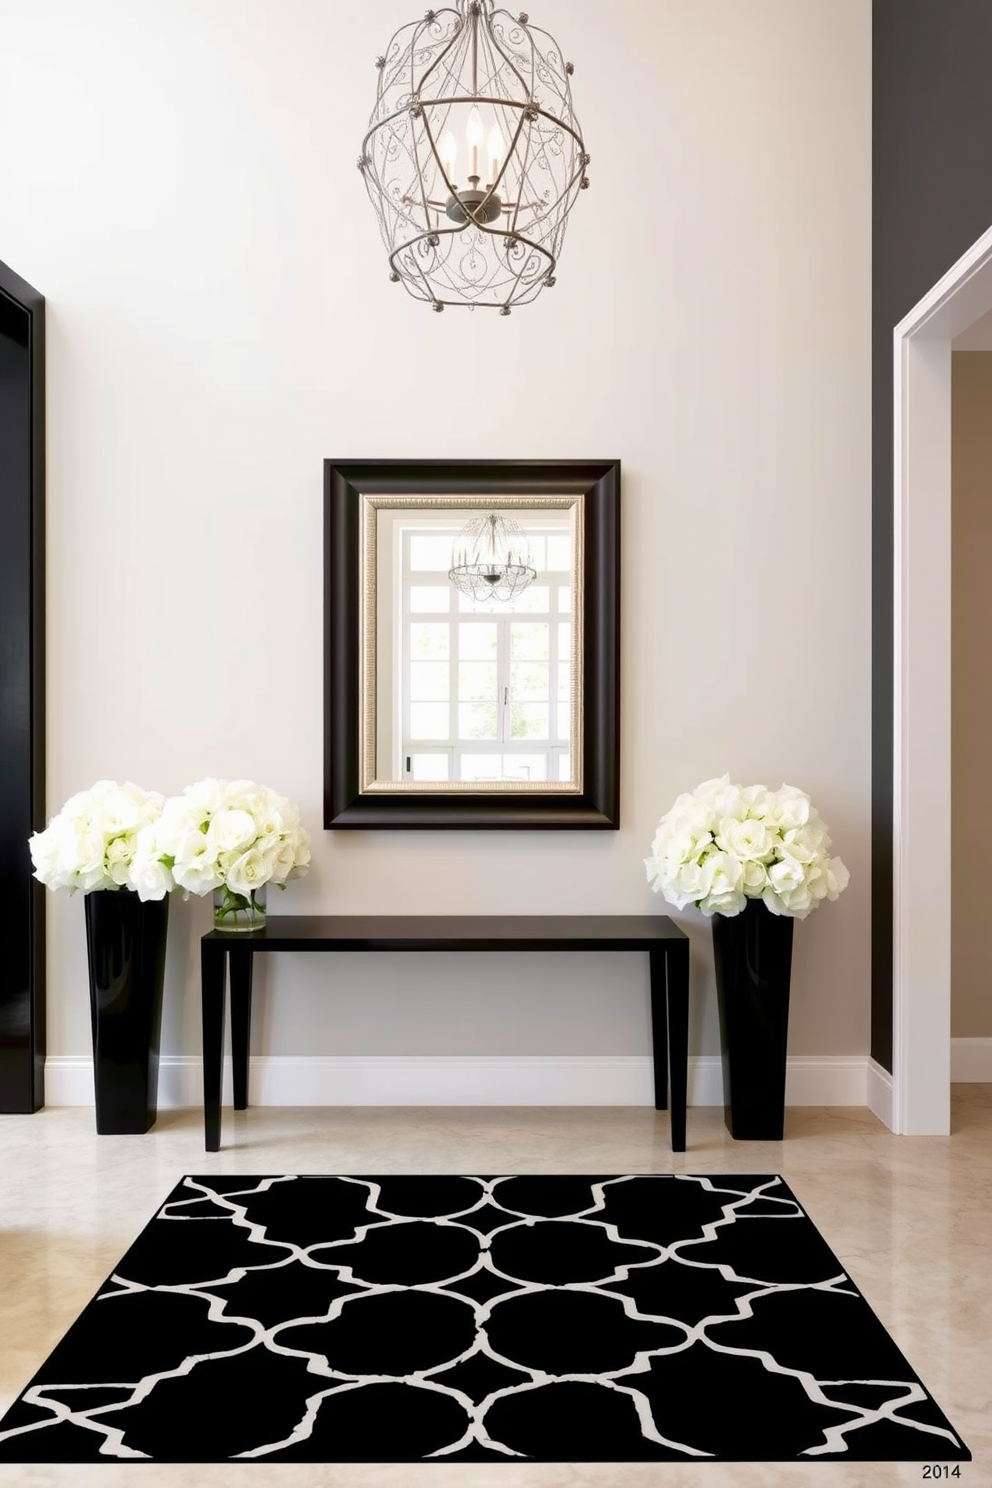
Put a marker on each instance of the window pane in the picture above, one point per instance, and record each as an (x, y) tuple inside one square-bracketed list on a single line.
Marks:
[(529, 640), (564, 721), (560, 553), (477, 720), (564, 599), (528, 720), (525, 767), (429, 640), (430, 551), (429, 767), (564, 767), (429, 721), (487, 606), (564, 681), (481, 766), (429, 681), (476, 641), (529, 681), (538, 555), (425, 597), (565, 640), (535, 599), (477, 682)]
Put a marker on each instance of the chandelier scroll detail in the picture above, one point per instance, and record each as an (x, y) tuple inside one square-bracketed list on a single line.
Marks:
[(473, 158)]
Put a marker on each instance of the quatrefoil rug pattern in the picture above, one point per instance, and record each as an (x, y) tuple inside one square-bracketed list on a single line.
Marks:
[(639, 1318)]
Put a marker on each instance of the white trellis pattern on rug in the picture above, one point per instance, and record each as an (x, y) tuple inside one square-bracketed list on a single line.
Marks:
[(639, 1317)]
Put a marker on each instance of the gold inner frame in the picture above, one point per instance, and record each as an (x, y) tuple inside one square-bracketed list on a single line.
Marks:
[(371, 506)]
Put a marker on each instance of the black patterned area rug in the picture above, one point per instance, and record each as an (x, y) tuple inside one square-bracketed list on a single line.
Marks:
[(647, 1318)]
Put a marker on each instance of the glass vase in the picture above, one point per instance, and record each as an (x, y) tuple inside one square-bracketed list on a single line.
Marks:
[(239, 911)]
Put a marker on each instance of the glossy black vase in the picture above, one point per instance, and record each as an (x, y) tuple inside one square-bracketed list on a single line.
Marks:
[(753, 955), (125, 952)]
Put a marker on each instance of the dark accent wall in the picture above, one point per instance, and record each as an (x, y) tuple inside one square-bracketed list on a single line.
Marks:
[(931, 199), (22, 691)]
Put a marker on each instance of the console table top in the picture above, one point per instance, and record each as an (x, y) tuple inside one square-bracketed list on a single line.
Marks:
[(456, 932)]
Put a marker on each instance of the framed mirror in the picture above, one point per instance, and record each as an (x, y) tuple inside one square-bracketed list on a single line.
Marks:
[(471, 644)]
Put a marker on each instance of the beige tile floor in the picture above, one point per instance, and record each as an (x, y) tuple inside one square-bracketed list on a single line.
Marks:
[(910, 1218)]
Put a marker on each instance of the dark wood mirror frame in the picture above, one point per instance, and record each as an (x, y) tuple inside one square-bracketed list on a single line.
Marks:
[(597, 805)]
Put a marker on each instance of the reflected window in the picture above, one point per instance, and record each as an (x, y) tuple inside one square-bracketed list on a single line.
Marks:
[(483, 690)]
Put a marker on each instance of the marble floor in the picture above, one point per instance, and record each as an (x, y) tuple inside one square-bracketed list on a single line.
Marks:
[(909, 1217)]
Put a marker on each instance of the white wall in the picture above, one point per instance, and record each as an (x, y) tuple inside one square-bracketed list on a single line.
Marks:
[(179, 179)]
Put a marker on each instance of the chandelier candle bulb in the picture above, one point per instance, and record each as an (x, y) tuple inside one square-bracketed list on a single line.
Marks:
[(494, 144), (474, 136), (449, 154)]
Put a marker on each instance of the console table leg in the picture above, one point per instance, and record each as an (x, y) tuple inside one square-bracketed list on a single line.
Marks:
[(212, 978), (241, 960), (659, 1028), (677, 966)]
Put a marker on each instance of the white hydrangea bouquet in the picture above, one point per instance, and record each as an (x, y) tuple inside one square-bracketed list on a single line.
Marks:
[(232, 838), (99, 840), (723, 844)]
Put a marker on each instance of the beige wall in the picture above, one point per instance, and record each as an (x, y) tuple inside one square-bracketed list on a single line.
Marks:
[(179, 178), (971, 689)]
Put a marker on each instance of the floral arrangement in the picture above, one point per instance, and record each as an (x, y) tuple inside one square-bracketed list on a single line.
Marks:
[(96, 839), (234, 836), (218, 835), (723, 844)]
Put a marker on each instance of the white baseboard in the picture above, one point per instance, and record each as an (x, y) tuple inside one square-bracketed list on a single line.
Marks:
[(541, 1080), (971, 1061), (879, 1098)]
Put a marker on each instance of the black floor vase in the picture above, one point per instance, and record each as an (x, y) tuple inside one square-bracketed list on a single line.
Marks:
[(125, 949), (753, 955)]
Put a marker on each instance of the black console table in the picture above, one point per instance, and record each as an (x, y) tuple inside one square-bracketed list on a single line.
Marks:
[(666, 945)]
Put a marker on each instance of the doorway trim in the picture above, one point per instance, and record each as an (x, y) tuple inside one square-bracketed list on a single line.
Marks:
[(921, 763)]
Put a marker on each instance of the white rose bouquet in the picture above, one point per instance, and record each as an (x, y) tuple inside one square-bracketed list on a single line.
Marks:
[(724, 844), (98, 841), (234, 837)]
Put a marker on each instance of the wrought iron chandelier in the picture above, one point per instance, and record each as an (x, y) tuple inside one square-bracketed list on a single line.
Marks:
[(491, 559), (473, 157)]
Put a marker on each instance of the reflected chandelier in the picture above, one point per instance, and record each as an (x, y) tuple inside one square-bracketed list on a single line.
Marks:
[(491, 559), (473, 157)]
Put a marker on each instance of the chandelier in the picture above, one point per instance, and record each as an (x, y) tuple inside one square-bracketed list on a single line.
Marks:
[(491, 559), (473, 157)]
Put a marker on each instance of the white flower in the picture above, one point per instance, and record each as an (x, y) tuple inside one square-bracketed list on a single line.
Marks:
[(150, 878), (686, 886), (92, 842), (301, 858), (785, 875), (282, 863), (723, 844), (118, 859), (747, 839), (232, 830), (208, 795), (723, 882), (233, 834), (838, 878), (790, 807), (799, 844), (249, 872), (195, 866)]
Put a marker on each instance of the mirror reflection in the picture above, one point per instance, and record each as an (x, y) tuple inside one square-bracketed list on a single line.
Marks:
[(471, 644)]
